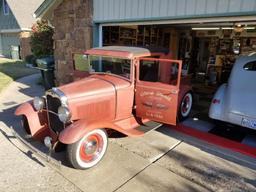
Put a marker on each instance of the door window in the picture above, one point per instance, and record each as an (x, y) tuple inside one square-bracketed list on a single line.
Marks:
[(159, 71), (149, 71)]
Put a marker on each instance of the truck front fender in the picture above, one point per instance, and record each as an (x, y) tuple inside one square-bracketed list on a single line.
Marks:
[(78, 129), (36, 120)]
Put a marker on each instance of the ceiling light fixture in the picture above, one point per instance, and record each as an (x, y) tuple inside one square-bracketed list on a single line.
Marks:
[(249, 28), (205, 28), (226, 28)]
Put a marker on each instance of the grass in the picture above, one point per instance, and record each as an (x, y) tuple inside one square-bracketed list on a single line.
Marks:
[(11, 70)]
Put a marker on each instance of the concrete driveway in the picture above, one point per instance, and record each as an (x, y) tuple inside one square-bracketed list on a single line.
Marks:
[(162, 160)]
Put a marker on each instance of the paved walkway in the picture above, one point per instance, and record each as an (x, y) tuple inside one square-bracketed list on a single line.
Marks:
[(162, 160)]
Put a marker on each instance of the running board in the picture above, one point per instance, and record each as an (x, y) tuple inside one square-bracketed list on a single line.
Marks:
[(149, 126)]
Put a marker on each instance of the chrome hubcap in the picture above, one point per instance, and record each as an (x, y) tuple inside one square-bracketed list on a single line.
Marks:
[(185, 104), (90, 147)]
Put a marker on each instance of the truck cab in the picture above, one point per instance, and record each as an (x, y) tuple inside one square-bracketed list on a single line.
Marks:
[(123, 88)]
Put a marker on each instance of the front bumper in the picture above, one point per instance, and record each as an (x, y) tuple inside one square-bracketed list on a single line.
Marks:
[(46, 157)]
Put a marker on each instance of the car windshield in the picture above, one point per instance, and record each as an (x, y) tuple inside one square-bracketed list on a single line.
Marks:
[(110, 65)]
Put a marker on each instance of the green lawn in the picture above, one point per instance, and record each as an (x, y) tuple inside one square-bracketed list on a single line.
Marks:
[(11, 70)]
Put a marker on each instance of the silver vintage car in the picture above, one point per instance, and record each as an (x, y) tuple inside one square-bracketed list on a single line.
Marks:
[(235, 101)]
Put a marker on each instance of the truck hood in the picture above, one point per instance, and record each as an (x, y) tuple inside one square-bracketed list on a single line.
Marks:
[(93, 85), (93, 97)]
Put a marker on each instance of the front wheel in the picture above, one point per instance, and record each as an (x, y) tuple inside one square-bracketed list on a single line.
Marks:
[(185, 106), (25, 124), (89, 150)]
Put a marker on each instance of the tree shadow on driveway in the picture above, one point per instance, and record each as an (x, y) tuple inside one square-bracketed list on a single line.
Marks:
[(29, 154), (209, 165), (14, 123), (192, 159), (20, 91)]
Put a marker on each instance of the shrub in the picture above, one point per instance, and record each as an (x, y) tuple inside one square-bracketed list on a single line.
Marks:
[(41, 39)]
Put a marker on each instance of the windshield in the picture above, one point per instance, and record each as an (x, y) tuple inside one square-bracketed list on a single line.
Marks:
[(112, 65)]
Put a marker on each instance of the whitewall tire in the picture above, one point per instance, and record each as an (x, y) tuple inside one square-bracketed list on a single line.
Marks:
[(89, 150), (185, 106)]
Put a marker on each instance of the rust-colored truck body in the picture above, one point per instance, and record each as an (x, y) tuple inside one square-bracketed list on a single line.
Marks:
[(126, 87)]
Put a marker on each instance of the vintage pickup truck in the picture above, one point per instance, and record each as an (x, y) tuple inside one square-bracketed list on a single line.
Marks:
[(125, 87)]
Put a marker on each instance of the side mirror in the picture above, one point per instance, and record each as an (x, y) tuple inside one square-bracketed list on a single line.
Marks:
[(85, 57), (81, 62)]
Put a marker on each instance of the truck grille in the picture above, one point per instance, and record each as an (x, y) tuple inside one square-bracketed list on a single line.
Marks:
[(53, 104)]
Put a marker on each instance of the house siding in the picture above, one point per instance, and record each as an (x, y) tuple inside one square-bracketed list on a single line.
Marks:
[(139, 10), (7, 21)]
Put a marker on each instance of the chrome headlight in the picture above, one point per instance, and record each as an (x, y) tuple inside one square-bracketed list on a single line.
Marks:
[(38, 103), (48, 142), (64, 114)]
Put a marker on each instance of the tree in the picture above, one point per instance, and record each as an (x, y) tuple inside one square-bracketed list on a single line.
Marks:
[(42, 39)]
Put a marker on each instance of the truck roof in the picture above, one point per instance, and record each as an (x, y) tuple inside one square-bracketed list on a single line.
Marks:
[(126, 51)]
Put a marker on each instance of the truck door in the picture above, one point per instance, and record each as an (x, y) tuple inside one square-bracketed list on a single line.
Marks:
[(157, 89)]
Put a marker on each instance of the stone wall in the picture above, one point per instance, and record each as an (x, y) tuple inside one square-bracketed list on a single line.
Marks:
[(73, 33)]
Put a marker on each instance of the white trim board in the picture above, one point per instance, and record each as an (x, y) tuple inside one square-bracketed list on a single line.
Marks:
[(14, 30), (234, 19)]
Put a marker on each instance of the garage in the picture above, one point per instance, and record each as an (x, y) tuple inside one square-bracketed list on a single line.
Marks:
[(208, 36), (207, 51), (10, 45)]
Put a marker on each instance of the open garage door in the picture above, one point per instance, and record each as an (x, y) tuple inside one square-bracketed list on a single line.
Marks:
[(208, 49)]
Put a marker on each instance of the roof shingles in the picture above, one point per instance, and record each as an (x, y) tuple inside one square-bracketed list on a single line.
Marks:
[(23, 11)]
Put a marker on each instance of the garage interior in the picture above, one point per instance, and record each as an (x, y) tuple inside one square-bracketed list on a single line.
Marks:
[(208, 52)]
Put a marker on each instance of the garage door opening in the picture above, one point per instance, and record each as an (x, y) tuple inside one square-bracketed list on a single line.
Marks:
[(208, 52)]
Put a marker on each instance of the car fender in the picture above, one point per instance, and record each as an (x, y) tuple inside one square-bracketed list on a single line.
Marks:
[(36, 120), (78, 129), (217, 108)]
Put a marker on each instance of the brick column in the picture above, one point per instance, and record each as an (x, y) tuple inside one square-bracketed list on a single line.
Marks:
[(73, 33), (25, 48)]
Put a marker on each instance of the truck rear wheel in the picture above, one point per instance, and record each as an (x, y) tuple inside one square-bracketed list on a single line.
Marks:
[(185, 106), (89, 150)]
